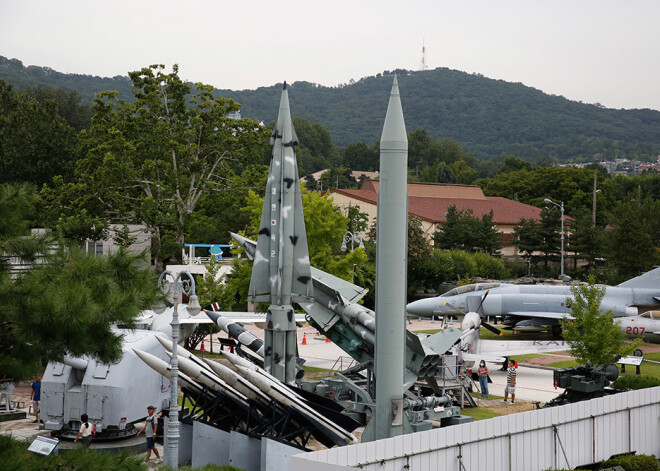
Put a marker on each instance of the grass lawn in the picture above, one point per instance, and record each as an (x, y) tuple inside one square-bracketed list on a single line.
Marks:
[(647, 369), (479, 413), (564, 364)]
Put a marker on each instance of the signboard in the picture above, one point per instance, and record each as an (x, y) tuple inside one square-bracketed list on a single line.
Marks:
[(43, 445), (636, 361)]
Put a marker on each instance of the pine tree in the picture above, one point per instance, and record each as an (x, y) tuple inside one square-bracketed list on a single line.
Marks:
[(63, 303)]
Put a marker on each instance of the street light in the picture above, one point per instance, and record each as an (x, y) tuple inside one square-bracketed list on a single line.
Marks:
[(351, 238), (561, 208), (187, 284)]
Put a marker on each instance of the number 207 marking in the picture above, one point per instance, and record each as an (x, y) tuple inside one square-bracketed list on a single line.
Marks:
[(635, 330)]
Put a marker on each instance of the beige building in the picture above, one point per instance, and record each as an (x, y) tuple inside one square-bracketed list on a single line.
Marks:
[(430, 201)]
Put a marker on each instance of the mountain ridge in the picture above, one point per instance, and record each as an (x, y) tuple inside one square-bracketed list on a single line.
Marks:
[(487, 116)]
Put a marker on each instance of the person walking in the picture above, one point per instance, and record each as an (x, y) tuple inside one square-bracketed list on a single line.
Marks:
[(149, 429), (35, 396), (482, 372), (85, 431), (510, 382)]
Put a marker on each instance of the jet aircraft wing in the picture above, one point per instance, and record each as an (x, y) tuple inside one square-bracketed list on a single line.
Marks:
[(241, 317), (545, 315), (506, 348)]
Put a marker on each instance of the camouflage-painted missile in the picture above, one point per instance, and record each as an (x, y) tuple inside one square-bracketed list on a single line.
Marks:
[(281, 273), (237, 332)]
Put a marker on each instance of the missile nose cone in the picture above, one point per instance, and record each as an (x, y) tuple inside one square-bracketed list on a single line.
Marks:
[(166, 343), (394, 135), (212, 315)]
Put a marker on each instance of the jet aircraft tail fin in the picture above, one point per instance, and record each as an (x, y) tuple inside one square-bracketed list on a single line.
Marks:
[(649, 280)]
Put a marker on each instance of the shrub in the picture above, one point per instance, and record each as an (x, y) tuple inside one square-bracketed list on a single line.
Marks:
[(488, 266), (633, 462), (14, 457), (626, 383)]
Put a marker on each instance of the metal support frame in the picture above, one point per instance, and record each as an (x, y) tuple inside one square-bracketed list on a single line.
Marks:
[(273, 422)]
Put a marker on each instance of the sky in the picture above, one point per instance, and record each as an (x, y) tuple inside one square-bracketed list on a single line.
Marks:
[(594, 51)]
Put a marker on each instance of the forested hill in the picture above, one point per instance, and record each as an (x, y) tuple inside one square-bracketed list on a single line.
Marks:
[(488, 117), (87, 86)]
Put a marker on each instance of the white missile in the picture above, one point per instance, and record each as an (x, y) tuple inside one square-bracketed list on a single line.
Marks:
[(162, 367), (208, 378), (181, 352), (237, 382), (288, 398)]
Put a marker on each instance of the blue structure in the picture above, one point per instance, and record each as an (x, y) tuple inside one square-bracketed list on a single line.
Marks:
[(215, 250)]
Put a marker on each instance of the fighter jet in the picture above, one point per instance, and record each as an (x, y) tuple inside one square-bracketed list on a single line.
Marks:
[(472, 349), (645, 326), (539, 307)]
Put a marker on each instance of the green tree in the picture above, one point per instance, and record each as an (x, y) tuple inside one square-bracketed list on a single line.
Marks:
[(592, 335), (527, 237), (549, 233), (631, 239), (585, 240), (445, 174), (360, 156), (463, 230), (150, 161), (36, 144), (337, 177), (66, 302), (450, 233), (487, 237)]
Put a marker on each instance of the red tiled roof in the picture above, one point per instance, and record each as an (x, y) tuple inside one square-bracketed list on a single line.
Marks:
[(433, 190), (505, 211)]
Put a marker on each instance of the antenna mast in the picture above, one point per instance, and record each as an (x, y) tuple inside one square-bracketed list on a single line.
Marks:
[(422, 63)]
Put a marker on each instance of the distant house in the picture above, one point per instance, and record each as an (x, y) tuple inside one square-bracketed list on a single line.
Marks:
[(430, 201), (139, 234)]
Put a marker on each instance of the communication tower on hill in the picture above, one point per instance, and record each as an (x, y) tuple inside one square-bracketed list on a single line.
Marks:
[(422, 63)]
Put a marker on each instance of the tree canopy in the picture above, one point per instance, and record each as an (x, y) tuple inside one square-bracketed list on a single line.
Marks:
[(151, 160), (592, 335), (64, 302)]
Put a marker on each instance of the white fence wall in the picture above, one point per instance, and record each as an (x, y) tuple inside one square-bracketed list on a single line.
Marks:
[(558, 437)]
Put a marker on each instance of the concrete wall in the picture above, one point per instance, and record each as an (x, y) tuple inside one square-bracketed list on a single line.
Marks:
[(558, 437)]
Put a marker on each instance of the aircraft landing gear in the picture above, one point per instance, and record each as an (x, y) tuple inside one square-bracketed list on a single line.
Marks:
[(638, 352), (556, 330)]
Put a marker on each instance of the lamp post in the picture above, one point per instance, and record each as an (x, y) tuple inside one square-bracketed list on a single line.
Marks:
[(187, 285), (561, 208), (351, 238)]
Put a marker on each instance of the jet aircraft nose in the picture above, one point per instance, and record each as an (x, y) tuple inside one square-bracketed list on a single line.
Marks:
[(423, 307)]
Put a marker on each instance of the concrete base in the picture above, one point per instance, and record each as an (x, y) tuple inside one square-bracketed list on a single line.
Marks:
[(133, 445), (276, 456), (209, 446), (185, 442), (12, 415), (244, 452)]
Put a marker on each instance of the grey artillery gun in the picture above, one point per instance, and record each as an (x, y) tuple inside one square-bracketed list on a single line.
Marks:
[(583, 382), (113, 396)]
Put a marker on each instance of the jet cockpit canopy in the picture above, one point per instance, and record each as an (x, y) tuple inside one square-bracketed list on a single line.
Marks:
[(470, 288)]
